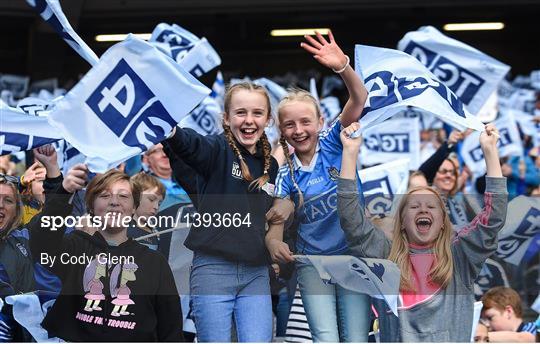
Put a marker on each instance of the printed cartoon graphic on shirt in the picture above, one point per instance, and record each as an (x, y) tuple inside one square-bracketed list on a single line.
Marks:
[(99, 272), (92, 284), (122, 274)]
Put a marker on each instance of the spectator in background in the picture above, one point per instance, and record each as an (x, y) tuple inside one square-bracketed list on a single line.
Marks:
[(152, 194), (159, 165), (503, 312), (481, 335), (522, 172)]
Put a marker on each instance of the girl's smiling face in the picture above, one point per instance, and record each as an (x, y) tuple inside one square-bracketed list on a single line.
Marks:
[(247, 116), (115, 201), (300, 126)]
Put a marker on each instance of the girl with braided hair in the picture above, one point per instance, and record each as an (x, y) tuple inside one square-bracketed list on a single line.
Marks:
[(310, 179), (229, 274)]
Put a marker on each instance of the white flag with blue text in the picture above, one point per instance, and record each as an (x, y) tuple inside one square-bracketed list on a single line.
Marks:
[(509, 144), (51, 12), (128, 102), (218, 90), (381, 184), (20, 131), (521, 228), (205, 118), (330, 109), (396, 80), (396, 138), (194, 54), (377, 278), (472, 75)]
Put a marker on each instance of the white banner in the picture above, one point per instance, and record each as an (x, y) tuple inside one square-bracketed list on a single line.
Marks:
[(16, 84), (378, 278), (391, 140), (521, 227), (218, 90), (396, 80), (128, 102), (472, 75), (20, 131), (509, 144), (205, 118), (381, 183), (194, 54), (51, 12), (427, 120), (330, 109)]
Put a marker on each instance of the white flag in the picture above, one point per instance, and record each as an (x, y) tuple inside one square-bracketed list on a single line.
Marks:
[(396, 80), (521, 227), (20, 131), (377, 278), (51, 12), (330, 109), (194, 54), (16, 84), (391, 140), (218, 90), (128, 102), (426, 119), (472, 75), (382, 183), (509, 144), (205, 118)]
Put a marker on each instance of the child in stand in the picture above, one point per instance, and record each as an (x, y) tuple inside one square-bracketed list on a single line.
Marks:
[(310, 179), (438, 269)]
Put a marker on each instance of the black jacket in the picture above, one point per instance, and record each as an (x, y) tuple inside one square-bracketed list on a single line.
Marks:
[(224, 194), (140, 279)]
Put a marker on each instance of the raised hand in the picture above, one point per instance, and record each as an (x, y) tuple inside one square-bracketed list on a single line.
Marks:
[(34, 172), (47, 156), (329, 54), (348, 142), (76, 178), (455, 136), (489, 138)]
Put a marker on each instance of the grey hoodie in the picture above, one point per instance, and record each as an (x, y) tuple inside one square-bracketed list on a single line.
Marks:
[(443, 315)]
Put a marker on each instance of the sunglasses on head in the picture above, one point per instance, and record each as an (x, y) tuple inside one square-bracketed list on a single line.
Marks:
[(4, 178)]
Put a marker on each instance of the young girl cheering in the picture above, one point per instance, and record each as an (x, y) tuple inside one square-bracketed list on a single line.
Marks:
[(229, 275), (310, 179), (438, 269)]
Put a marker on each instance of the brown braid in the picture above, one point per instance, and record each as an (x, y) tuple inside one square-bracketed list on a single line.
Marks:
[(267, 150), (246, 174), (285, 147)]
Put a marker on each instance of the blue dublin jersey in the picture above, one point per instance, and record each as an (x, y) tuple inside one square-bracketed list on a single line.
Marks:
[(319, 231)]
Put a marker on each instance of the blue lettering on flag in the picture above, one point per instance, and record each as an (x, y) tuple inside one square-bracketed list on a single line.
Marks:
[(462, 82), (527, 229), (16, 142), (130, 109), (378, 195), (205, 120), (422, 54), (384, 88), (504, 140), (388, 142)]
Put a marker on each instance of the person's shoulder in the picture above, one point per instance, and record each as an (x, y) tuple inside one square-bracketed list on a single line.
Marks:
[(527, 327)]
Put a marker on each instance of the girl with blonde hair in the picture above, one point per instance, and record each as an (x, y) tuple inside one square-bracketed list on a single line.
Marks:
[(438, 268)]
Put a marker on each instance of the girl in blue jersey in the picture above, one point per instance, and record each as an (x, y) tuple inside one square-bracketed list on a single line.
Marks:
[(310, 179)]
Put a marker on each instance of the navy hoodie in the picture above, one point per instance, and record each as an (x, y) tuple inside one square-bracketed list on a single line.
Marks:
[(225, 194), (114, 293)]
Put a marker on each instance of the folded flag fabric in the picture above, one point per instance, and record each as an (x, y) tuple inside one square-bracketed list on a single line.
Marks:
[(128, 102), (472, 75)]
